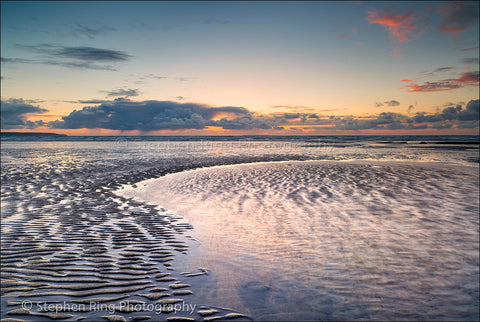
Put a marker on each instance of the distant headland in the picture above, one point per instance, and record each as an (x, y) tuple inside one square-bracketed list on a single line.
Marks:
[(31, 134)]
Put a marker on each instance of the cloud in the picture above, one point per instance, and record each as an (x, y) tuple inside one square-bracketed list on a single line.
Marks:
[(341, 34), (441, 69), (291, 116), (388, 103), (68, 64), (141, 25), (78, 65), (153, 76), (183, 79), (243, 123), (79, 53), (401, 27), (294, 107), (457, 16), (145, 78), (392, 103), (432, 87), (90, 31), (73, 57), (466, 79), (449, 117), (124, 114), (92, 101), (469, 49), (14, 114), (469, 61), (385, 120), (15, 60), (470, 78), (470, 113), (122, 93)]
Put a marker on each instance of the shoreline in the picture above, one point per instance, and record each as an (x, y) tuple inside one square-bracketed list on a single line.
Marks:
[(242, 163)]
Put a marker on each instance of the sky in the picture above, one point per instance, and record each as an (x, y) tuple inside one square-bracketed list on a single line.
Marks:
[(240, 67)]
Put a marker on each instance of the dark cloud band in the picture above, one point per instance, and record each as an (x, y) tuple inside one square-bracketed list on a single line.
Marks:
[(82, 53), (80, 57), (125, 115), (123, 93), (14, 114)]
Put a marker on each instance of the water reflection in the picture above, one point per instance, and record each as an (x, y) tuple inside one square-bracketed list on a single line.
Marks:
[(333, 240)]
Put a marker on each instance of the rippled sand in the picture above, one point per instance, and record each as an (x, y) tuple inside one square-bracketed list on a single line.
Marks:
[(67, 240), (73, 250), (333, 240)]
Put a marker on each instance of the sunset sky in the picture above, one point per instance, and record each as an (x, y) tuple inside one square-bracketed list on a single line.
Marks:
[(235, 68)]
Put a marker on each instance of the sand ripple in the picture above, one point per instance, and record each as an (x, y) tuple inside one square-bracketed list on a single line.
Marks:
[(68, 240), (332, 240)]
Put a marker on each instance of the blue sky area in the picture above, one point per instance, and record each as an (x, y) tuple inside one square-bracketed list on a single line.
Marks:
[(234, 68)]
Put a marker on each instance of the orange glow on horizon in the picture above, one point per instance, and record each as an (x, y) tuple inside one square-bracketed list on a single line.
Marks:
[(223, 115), (309, 126), (216, 129), (294, 130)]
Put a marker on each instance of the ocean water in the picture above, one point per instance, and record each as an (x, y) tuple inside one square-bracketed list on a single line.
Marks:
[(273, 228)]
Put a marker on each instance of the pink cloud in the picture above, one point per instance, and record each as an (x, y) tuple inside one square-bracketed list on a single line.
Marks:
[(469, 49), (401, 27), (342, 35), (451, 30), (431, 87), (470, 78), (457, 16), (466, 79)]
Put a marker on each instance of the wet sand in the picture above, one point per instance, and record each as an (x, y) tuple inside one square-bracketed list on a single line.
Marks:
[(73, 250), (67, 240), (332, 240), (120, 265)]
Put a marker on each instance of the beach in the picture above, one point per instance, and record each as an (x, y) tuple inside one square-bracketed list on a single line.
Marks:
[(239, 161), (277, 230), (331, 240)]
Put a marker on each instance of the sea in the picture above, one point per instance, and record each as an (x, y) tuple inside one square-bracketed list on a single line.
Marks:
[(245, 228)]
